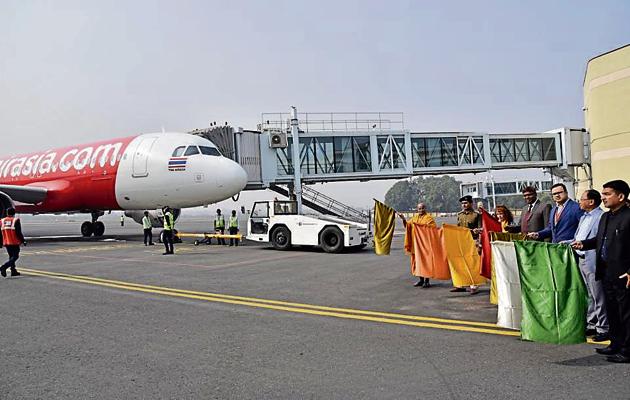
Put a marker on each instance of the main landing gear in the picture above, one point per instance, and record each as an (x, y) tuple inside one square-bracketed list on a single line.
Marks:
[(96, 227)]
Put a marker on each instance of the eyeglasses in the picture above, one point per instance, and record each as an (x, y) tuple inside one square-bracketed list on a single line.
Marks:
[(557, 193)]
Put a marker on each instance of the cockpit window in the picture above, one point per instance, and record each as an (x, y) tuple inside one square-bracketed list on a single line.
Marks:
[(191, 151), (178, 152), (209, 151)]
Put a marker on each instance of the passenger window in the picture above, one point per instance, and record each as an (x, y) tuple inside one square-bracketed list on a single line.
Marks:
[(191, 151), (178, 152), (209, 151)]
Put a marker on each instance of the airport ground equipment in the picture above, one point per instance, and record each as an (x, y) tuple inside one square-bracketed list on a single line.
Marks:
[(278, 222), (206, 236)]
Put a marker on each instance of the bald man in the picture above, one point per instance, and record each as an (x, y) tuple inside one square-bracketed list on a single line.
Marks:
[(421, 218)]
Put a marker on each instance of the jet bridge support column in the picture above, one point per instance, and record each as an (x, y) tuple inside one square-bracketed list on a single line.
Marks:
[(297, 170)]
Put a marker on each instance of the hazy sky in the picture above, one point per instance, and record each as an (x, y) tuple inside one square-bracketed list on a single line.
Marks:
[(74, 71)]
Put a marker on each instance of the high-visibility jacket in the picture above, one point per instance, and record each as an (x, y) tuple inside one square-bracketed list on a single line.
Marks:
[(9, 234), (169, 222), (233, 222), (146, 223), (219, 222)]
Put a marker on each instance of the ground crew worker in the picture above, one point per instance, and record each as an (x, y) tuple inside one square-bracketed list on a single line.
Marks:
[(219, 226), (12, 238), (233, 226), (420, 218), (471, 219), (122, 220), (169, 226), (147, 225)]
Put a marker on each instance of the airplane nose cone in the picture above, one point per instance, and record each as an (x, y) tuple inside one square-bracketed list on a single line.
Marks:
[(240, 177), (236, 179)]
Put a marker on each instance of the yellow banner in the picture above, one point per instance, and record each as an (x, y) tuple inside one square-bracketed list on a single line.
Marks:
[(384, 222), (463, 258)]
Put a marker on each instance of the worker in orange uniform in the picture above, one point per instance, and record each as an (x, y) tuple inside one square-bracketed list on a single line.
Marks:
[(12, 238), (421, 218)]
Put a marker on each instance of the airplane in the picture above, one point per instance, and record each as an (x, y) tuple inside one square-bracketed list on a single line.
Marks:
[(136, 173)]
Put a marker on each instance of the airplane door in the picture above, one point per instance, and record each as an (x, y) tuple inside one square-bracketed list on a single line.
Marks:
[(141, 157)]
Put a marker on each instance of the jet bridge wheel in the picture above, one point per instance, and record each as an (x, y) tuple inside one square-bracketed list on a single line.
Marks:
[(281, 238), (331, 239)]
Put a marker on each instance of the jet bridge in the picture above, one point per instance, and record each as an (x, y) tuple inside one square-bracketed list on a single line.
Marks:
[(366, 146)]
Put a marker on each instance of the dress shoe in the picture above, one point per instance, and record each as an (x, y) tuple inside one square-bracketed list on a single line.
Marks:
[(14, 272), (591, 332), (619, 358), (419, 283), (457, 289), (426, 284), (601, 337), (167, 253), (607, 351), (3, 272)]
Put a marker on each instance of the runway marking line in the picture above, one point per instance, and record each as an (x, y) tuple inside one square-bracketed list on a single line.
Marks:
[(374, 316), (69, 250)]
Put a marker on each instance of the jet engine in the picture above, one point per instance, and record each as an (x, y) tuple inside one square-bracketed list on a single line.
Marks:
[(5, 203)]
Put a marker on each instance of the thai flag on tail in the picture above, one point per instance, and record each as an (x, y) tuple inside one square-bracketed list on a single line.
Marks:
[(177, 164)]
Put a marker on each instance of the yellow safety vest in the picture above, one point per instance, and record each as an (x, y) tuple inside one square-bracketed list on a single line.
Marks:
[(233, 222), (169, 223), (219, 222)]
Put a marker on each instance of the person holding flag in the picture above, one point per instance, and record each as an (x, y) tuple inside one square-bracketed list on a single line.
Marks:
[(420, 218), (470, 219)]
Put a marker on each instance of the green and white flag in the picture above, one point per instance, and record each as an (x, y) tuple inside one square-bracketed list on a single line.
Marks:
[(553, 293), (510, 309)]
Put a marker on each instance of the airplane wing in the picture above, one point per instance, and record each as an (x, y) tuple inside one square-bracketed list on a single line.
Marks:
[(25, 194)]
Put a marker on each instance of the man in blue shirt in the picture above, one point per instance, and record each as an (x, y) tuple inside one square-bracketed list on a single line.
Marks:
[(563, 218), (596, 319)]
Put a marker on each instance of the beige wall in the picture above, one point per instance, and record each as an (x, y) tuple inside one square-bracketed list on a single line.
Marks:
[(607, 115)]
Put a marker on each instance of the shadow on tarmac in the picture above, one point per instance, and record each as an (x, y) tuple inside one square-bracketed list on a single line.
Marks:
[(589, 361)]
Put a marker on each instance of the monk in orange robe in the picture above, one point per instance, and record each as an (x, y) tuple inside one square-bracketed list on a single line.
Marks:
[(421, 218)]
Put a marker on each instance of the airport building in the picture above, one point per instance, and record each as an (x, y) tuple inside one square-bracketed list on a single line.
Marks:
[(606, 116)]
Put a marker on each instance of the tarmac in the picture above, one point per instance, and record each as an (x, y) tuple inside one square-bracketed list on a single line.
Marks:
[(110, 318)]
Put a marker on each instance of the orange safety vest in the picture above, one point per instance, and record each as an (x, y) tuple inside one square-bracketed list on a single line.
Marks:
[(9, 237)]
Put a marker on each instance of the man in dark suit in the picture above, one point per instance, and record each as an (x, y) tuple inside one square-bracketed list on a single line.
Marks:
[(535, 214), (613, 267), (564, 217)]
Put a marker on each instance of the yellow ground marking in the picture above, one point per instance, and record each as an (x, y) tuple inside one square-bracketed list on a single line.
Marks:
[(346, 313), (265, 301), (398, 319), (79, 249)]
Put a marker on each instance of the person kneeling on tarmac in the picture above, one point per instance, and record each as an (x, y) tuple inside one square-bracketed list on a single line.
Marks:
[(12, 238)]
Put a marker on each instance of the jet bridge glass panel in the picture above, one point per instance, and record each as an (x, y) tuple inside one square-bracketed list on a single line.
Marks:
[(519, 150), (434, 152), (391, 152), (327, 155)]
